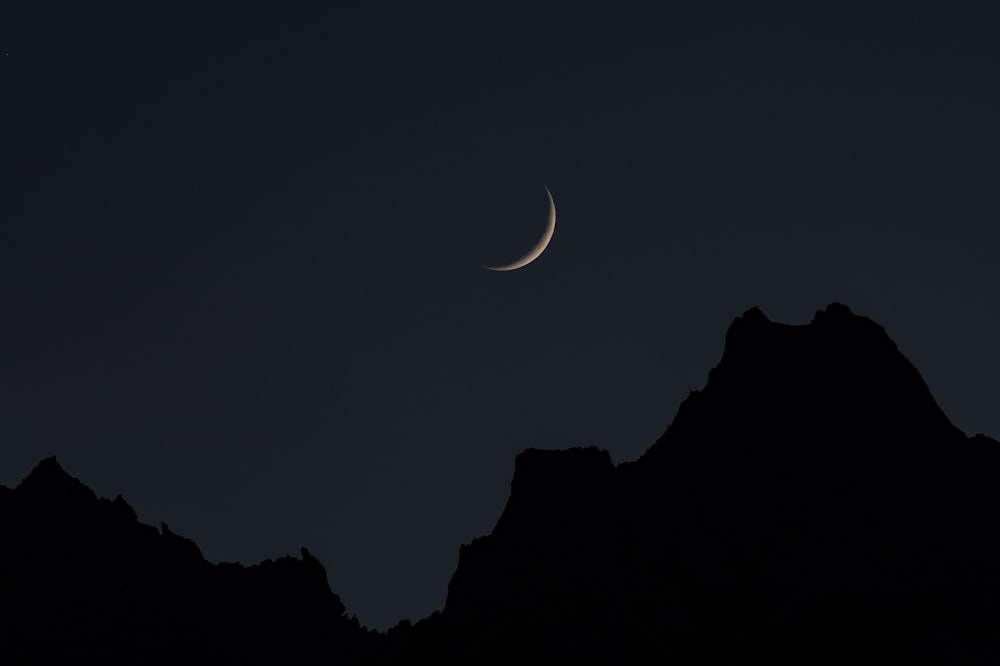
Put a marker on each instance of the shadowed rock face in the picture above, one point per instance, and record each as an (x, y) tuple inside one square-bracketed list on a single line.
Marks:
[(812, 504)]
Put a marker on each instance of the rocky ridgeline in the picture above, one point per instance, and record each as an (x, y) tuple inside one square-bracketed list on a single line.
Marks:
[(812, 504), (85, 582)]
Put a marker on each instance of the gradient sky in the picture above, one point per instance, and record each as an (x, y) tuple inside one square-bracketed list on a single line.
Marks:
[(240, 246)]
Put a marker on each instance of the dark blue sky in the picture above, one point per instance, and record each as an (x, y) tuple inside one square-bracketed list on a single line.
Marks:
[(240, 246)]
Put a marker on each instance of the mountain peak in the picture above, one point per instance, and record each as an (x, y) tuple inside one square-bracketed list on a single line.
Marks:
[(775, 382), (754, 314), (834, 309), (753, 328), (47, 468), (49, 478)]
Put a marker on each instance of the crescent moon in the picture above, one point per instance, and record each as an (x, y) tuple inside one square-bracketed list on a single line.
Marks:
[(539, 247)]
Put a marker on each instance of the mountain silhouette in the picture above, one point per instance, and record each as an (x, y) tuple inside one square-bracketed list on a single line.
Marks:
[(84, 582), (811, 504)]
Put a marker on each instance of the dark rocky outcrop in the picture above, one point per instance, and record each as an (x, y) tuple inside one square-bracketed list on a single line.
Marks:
[(812, 504)]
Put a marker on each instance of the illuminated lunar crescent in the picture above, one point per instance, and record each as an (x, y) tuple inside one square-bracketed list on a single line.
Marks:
[(539, 247)]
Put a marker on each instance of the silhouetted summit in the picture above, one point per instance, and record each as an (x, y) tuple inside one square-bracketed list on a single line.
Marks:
[(811, 504), (839, 372)]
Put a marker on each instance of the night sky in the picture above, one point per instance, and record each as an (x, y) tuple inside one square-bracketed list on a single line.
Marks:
[(240, 246)]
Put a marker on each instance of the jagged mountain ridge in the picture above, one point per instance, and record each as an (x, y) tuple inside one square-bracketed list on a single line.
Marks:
[(85, 582), (810, 504)]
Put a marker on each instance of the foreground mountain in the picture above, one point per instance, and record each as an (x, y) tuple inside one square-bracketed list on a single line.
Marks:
[(812, 504)]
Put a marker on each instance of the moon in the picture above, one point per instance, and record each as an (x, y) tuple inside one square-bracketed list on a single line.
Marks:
[(539, 247)]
